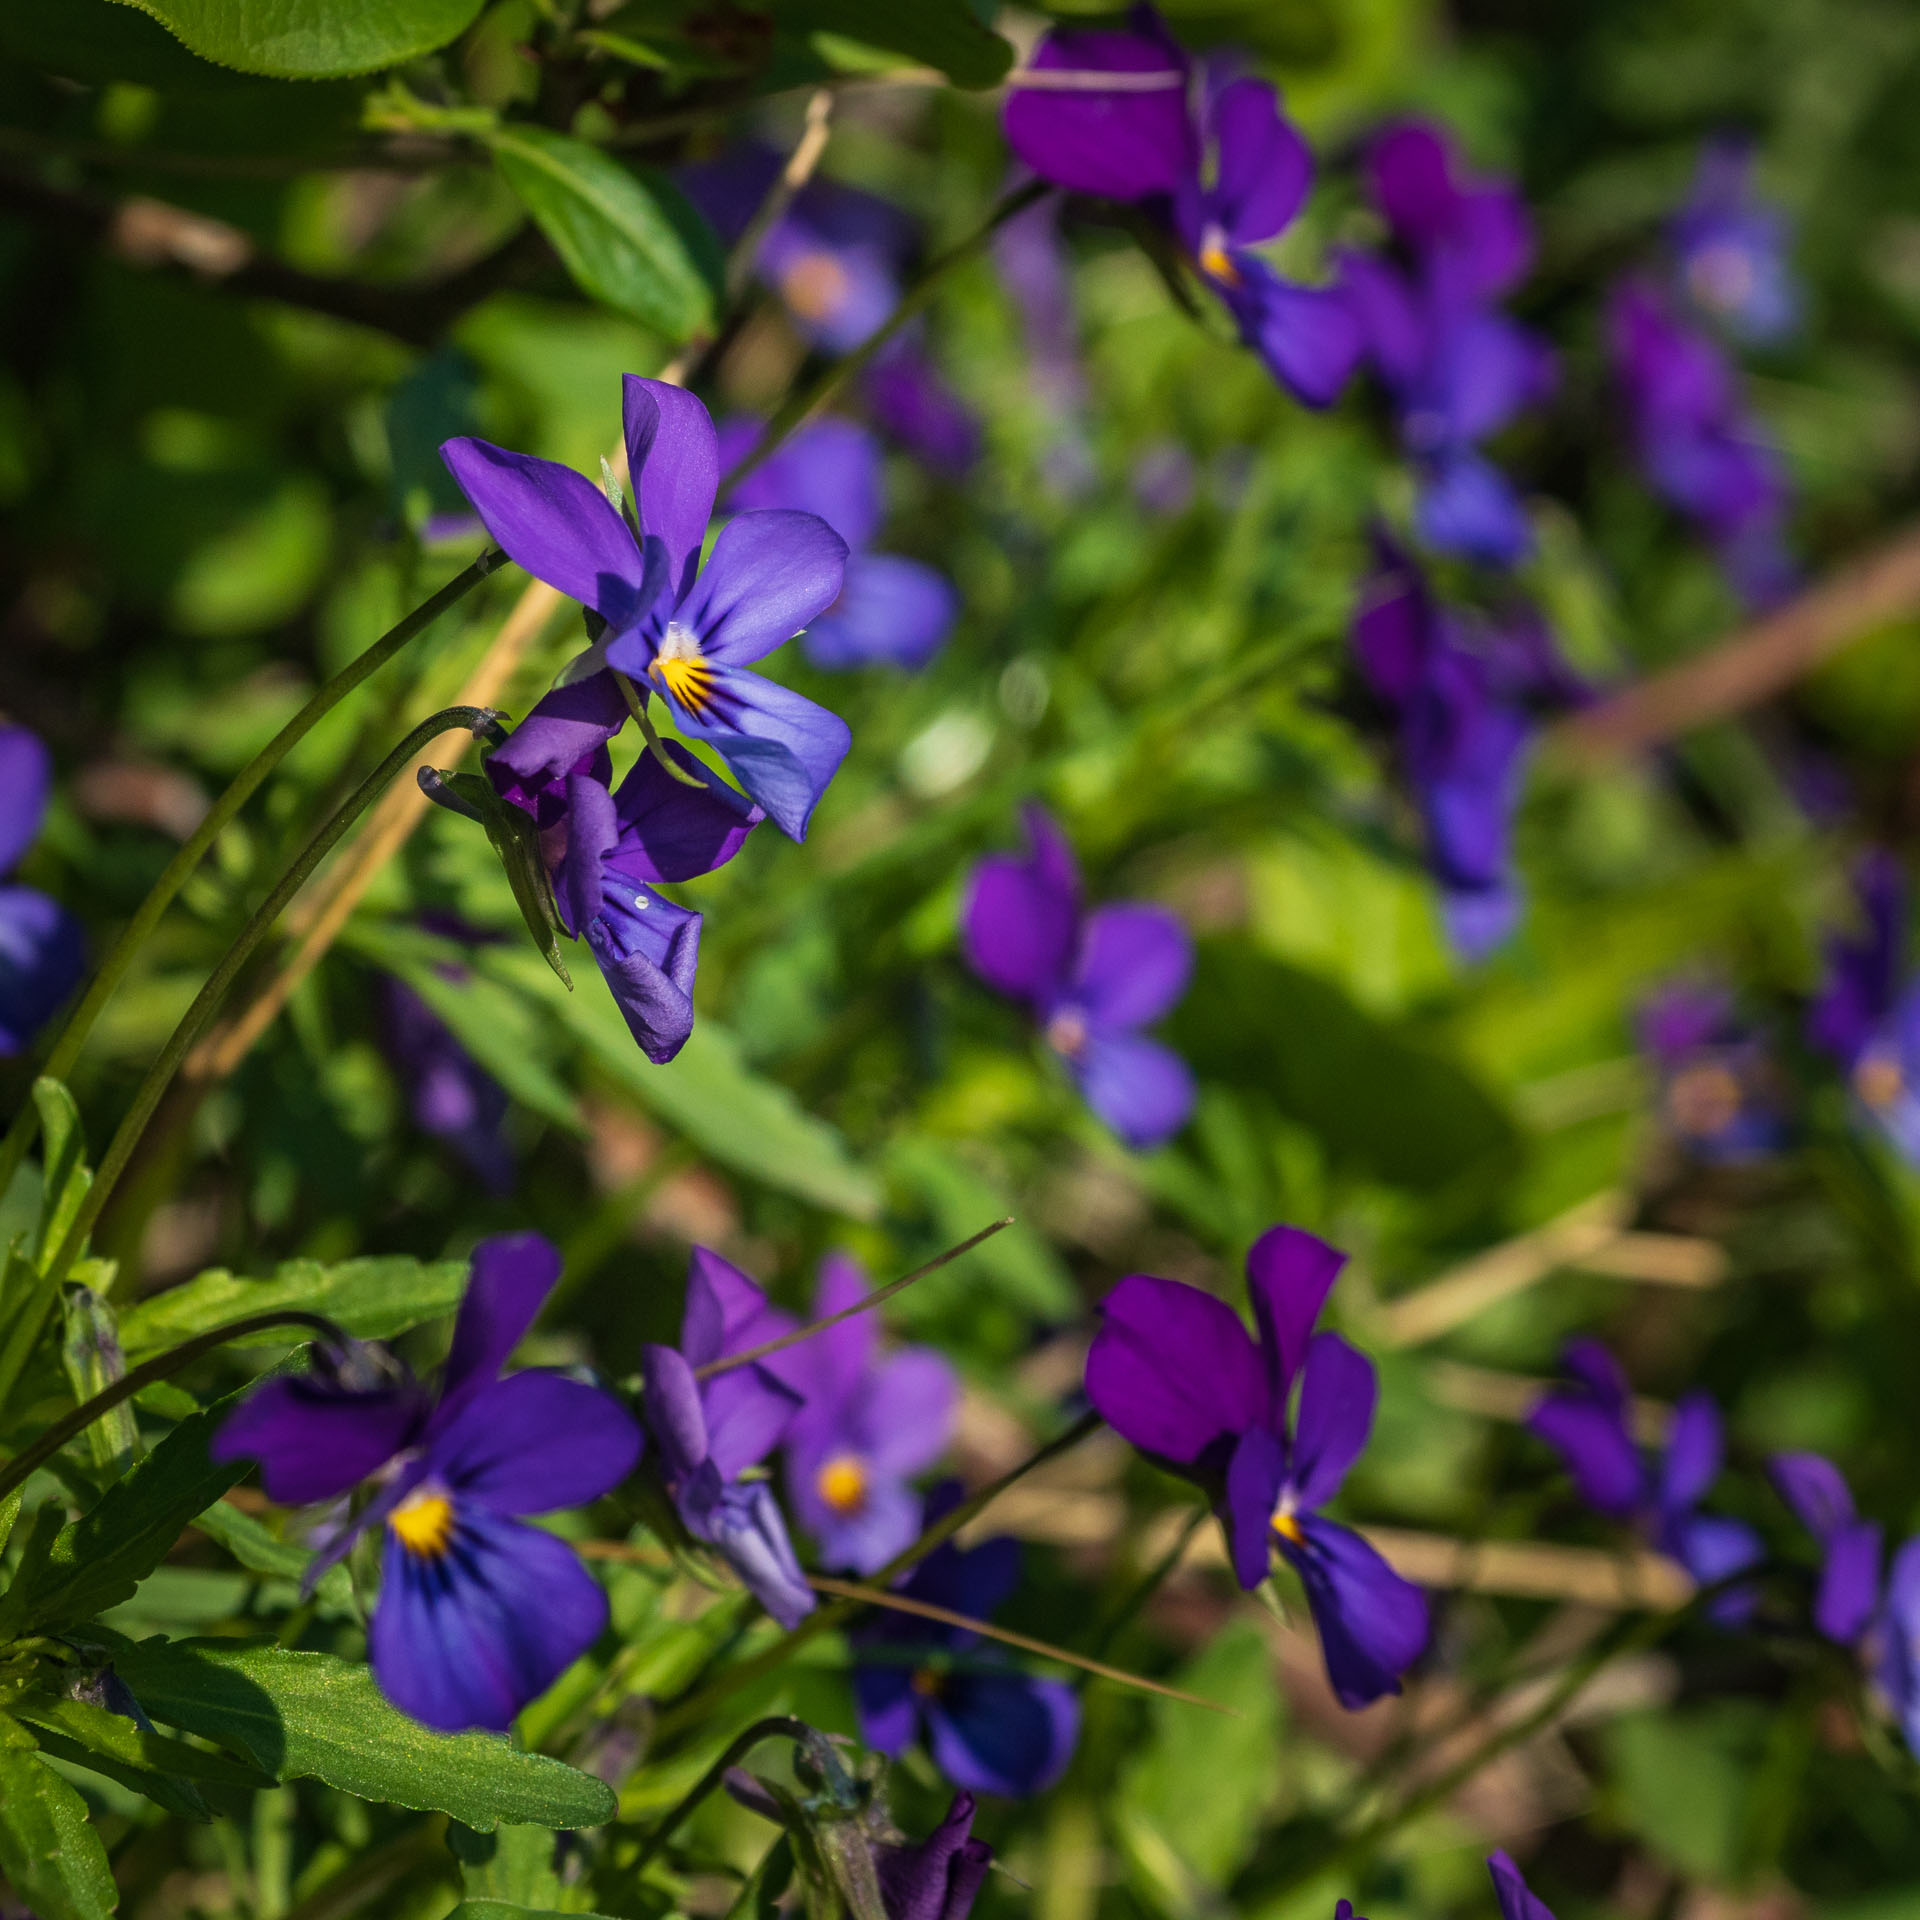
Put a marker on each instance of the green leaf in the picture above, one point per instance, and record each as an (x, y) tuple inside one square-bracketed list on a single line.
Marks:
[(512, 1865), (309, 1715), (50, 1851), (709, 1094), (94, 1360), (615, 233), (946, 34), (258, 1550), (311, 39), (373, 1299), (149, 1762), (66, 1175), (507, 1910)]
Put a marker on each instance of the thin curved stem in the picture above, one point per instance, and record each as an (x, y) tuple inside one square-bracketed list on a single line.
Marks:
[(779, 1726), (79, 1023)]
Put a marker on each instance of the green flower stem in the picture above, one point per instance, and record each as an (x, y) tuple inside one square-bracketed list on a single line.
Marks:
[(32, 1313), (162, 1366), (79, 1023), (779, 1726)]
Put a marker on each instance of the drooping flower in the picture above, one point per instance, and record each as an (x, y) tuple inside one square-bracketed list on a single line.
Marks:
[(1700, 448), (710, 1434), (865, 1427), (989, 1727), (43, 951), (1210, 157), (1175, 1371), (936, 1878), (478, 1613), (449, 1094), (1589, 1424), (1092, 980), (687, 632), (1718, 1093), (1731, 248), (892, 611), (1457, 368)]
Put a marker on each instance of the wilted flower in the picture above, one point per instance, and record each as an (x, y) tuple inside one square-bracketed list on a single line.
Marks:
[(1730, 248), (892, 611), (477, 1613), (1718, 1096), (1092, 980), (42, 948), (1174, 1370), (936, 1878), (688, 633), (449, 1094), (710, 1434), (1213, 159), (1589, 1424), (1458, 369), (988, 1726)]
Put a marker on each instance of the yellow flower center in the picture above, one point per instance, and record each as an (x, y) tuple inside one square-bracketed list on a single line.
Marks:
[(1703, 1099), (815, 286), (1287, 1526), (842, 1484), (926, 1683), (1878, 1081), (1217, 263), (683, 671), (423, 1524)]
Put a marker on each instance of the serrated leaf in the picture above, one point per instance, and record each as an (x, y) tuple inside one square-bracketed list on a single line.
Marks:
[(373, 1299), (709, 1094), (619, 236), (946, 34), (302, 1715), (50, 1852), (311, 39)]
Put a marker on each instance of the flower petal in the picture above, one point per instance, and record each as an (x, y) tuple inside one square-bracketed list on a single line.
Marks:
[(1517, 1900), (1174, 1371), (748, 1414), (559, 526), (671, 1403), (1338, 1390), (1134, 964), (768, 575), (977, 1581), (1143, 1090), (892, 612), (1849, 1582), (1308, 336), (469, 1637), (939, 1878), (1290, 1272), (1467, 506), (673, 457), (26, 778), (536, 1442), (1712, 1547), (1373, 1624), (314, 1441), (563, 734), (1018, 928), (831, 467), (1815, 1489), (745, 1525), (888, 1707), (1264, 166), (828, 1369), (649, 968), (908, 398), (1694, 1448), (43, 953), (909, 1407), (726, 1312), (885, 1524), (510, 1276), (671, 831), (1599, 1454), (1255, 1476), (1002, 1732)]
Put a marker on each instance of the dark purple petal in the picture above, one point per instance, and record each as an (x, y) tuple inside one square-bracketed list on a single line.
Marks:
[(909, 400), (1467, 506), (1517, 1900), (1264, 167), (43, 954), (1694, 1449), (888, 1707), (1863, 965), (1394, 629), (1018, 927), (670, 1403), (831, 467), (1595, 1367), (938, 1878), (746, 1527), (1849, 1582), (1338, 1390), (1481, 232), (313, 1440), (1290, 1272), (668, 830), (559, 526), (768, 575), (510, 1278), (1002, 1732), (892, 612), (1816, 1490), (749, 1411), (838, 292), (1308, 336), (1593, 1441), (563, 734), (1393, 322), (1116, 146), (534, 1443), (1255, 1476), (1410, 178), (1174, 1370), (26, 778), (468, 1637), (1133, 966), (1144, 1091), (1373, 1624), (674, 461), (1899, 1642), (726, 1312), (977, 1581), (1712, 1547), (592, 832), (648, 950)]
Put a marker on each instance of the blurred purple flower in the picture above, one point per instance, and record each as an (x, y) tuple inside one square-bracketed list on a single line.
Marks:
[(1718, 1091), (1849, 1594), (1092, 980), (1032, 262), (477, 1613), (1174, 1371), (449, 1094), (709, 1434), (910, 400), (1517, 1900), (1589, 1424), (891, 611), (1164, 479), (1730, 248), (43, 951), (1458, 370), (990, 1728), (936, 1878), (1216, 162), (1700, 449), (689, 633)]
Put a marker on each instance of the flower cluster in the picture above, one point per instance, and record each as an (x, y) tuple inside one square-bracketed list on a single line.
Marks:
[(1719, 1099)]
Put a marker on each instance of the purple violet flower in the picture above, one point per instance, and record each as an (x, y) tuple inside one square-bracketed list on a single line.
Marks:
[(709, 1434), (989, 1727), (43, 951), (449, 1094), (1718, 1093), (1730, 248), (1212, 158), (1457, 369), (1175, 1371), (1092, 980), (937, 1878), (1589, 1424), (865, 1427), (892, 611), (1849, 1594), (478, 1613), (1517, 1900), (688, 633)]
